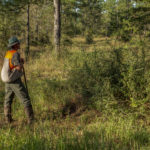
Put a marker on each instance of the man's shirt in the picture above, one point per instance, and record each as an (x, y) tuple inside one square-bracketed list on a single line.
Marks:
[(16, 59)]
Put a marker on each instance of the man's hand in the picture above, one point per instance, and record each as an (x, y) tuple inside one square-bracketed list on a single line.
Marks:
[(19, 68)]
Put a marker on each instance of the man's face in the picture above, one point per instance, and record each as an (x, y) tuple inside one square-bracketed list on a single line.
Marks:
[(17, 46)]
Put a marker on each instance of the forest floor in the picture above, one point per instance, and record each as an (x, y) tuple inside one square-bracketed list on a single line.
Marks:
[(62, 122)]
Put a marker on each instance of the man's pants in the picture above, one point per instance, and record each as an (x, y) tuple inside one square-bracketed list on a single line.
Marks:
[(16, 88)]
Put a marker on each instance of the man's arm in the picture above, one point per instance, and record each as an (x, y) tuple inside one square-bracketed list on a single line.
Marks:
[(17, 61)]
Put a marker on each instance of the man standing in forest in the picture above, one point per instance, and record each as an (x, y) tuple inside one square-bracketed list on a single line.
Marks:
[(11, 74)]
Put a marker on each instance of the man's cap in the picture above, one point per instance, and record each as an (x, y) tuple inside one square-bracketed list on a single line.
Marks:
[(13, 41)]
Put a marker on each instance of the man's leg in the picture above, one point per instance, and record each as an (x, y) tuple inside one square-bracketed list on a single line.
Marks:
[(9, 95), (22, 94)]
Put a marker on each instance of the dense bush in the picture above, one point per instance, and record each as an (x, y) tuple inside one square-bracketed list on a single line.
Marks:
[(121, 74), (89, 38)]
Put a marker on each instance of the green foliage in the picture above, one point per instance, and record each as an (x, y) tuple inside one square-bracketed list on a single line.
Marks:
[(126, 19), (89, 76), (41, 23), (11, 24), (66, 41), (89, 38), (70, 21), (122, 75), (81, 18)]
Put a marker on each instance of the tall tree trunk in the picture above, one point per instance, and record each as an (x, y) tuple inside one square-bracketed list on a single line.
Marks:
[(57, 25), (37, 25), (28, 31)]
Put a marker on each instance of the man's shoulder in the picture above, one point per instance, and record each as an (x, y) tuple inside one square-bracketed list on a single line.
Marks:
[(11, 53), (16, 53)]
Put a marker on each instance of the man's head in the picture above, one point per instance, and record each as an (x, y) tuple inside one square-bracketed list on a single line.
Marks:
[(14, 43)]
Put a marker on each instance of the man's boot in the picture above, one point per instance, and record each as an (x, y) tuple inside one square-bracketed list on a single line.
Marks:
[(7, 114), (30, 114)]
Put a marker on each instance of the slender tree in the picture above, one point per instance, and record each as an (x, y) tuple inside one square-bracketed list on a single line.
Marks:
[(28, 30), (57, 25)]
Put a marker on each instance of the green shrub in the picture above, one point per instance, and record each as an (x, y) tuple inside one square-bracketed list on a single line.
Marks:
[(121, 74), (90, 76), (89, 38)]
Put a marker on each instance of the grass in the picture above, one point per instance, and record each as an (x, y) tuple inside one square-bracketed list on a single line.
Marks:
[(63, 122), (114, 132)]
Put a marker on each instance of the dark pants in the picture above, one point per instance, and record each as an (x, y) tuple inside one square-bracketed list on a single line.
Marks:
[(16, 88)]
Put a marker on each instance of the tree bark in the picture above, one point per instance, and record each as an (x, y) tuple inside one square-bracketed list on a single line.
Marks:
[(57, 25), (28, 31)]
